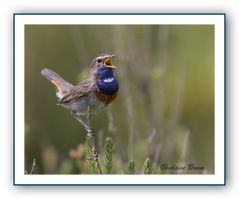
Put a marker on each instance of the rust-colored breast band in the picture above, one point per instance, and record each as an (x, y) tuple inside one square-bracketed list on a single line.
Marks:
[(105, 98)]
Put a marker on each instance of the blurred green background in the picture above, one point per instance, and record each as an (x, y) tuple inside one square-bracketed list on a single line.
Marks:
[(165, 107)]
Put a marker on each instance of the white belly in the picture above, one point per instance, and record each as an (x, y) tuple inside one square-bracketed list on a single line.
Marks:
[(81, 105)]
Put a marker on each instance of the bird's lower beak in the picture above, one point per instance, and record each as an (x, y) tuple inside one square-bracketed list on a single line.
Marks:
[(109, 62)]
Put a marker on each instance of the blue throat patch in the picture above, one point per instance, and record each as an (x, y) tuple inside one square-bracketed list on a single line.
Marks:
[(106, 81)]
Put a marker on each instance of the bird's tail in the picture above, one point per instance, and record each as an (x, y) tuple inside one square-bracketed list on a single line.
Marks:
[(62, 85)]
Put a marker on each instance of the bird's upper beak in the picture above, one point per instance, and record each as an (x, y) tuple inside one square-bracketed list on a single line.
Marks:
[(109, 62)]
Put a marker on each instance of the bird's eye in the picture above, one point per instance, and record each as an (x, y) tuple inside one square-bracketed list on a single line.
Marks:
[(98, 60)]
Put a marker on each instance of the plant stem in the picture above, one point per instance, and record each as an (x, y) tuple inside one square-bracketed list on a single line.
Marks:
[(33, 167), (148, 166), (131, 167), (90, 136), (108, 155)]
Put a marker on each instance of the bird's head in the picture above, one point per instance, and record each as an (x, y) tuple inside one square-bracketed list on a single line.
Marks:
[(102, 61)]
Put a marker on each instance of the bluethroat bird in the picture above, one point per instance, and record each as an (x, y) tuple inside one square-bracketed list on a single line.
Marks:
[(91, 94)]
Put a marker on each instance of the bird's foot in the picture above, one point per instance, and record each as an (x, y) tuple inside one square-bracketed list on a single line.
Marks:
[(90, 131)]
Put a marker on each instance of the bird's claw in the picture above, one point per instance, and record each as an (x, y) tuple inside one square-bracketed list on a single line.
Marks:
[(90, 132)]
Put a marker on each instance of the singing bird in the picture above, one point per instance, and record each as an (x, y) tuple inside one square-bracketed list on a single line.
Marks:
[(91, 94)]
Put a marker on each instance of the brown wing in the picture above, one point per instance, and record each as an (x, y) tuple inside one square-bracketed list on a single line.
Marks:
[(78, 91)]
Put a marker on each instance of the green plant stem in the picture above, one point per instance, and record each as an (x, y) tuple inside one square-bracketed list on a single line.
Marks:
[(148, 166), (91, 148), (131, 167), (108, 155)]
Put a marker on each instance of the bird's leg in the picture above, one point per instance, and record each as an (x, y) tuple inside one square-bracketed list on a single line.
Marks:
[(78, 118), (84, 124), (88, 116), (90, 131)]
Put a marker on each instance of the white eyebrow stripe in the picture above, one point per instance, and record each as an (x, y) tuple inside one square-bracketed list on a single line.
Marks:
[(111, 79)]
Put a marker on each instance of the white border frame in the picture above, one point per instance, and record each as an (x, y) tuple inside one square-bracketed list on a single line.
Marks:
[(21, 19)]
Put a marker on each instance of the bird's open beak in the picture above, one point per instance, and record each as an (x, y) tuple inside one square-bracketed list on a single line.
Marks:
[(109, 62)]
